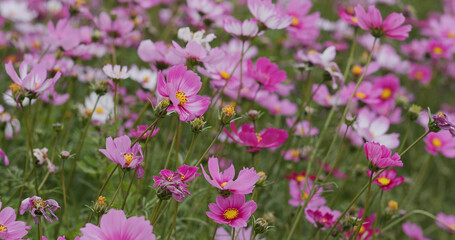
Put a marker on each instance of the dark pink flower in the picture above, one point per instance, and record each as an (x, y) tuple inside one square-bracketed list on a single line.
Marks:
[(244, 183), (233, 210), (119, 150), (366, 230), (247, 136), (390, 27), (37, 207), (380, 156), (443, 122), (421, 73), (442, 142), (115, 225), (10, 229), (322, 217), (181, 87), (170, 182), (387, 180)]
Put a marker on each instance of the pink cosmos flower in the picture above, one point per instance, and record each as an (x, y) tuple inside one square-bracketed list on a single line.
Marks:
[(442, 142), (387, 180), (292, 154), (116, 72), (232, 210), (158, 54), (324, 60), (269, 14), (366, 93), (366, 230), (275, 105), (438, 49), (247, 136), (446, 222), (300, 191), (10, 229), (119, 150), (34, 81), (118, 28), (444, 123), (12, 124), (323, 97), (413, 231), (4, 157), (115, 225), (63, 35), (380, 156), (170, 182), (302, 128), (266, 73), (244, 184), (181, 87), (245, 29), (135, 133), (421, 73), (322, 217), (36, 206), (390, 27), (304, 27), (348, 15)]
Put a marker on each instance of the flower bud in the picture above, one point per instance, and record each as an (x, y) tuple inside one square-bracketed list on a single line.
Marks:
[(253, 115), (197, 125), (227, 114), (356, 70), (161, 108), (392, 207), (269, 217), (414, 112), (65, 154), (225, 193), (57, 127), (101, 88), (260, 225), (262, 179), (349, 120), (100, 205)]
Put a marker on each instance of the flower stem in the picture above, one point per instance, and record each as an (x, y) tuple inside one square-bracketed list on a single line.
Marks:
[(417, 211), (64, 197), (378, 212), (172, 145), (128, 191), (365, 210), (115, 108), (351, 54), (414, 143), (193, 139), (174, 221), (214, 232), (233, 233), (418, 183), (155, 211), (211, 144), (118, 189)]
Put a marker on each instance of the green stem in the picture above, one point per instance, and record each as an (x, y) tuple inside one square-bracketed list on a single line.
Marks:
[(211, 144), (340, 147), (174, 221), (365, 210), (155, 212), (419, 181), (40, 229), (64, 197), (214, 232), (128, 191), (115, 107), (118, 189), (233, 234), (378, 212), (417, 211), (414, 143), (193, 139), (172, 145), (351, 55)]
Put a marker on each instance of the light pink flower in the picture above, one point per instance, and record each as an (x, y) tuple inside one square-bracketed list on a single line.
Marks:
[(441, 142), (300, 191), (233, 210), (322, 217), (269, 14), (36, 206), (10, 229), (62, 35), (245, 29), (115, 225), (116, 72), (4, 157), (413, 231), (446, 222)]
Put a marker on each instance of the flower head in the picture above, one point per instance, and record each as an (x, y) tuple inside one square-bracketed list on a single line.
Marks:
[(390, 27), (322, 217), (266, 73), (413, 231), (444, 123), (119, 150), (181, 87), (135, 133), (300, 192), (173, 183), (232, 210), (269, 14), (442, 142), (115, 225), (380, 156), (4, 157), (446, 222), (36, 206), (9, 227), (245, 29), (387, 179), (116, 72), (244, 183)]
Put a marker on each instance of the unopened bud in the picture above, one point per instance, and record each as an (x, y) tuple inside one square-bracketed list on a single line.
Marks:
[(260, 225), (227, 114), (57, 127), (100, 205), (414, 112), (65, 154), (262, 178), (161, 108), (350, 119), (253, 115), (197, 125), (392, 207), (101, 88)]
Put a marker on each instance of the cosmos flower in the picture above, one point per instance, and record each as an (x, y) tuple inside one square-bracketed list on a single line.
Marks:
[(442, 142), (120, 151), (37, 207), (181, 87), (241, 234), (63, 35), (115, 225), (390, 27), (444, 123), (322, 217), (380, 156), (244, 183), (387, 180), (247, 136), (246, 29), (446, 222), (233, 210), (116, 72), (266, 73), (300, 191), (10, 229), (173, 183), (103, 111), (269, 14), (136, 132), (413, 231), (4, 157)]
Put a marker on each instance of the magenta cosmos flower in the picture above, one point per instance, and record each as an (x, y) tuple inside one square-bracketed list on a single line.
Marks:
[(322, 217), (36, 206), (173, 183), (181, 87), (266, 73), (446, 222), (9, 227), (390, 27), (119, 150), (244, 183), (442, 142), (387, 179), (380, 156), (247, 136), (135, 133), (444, 123), (233, 210), (269, 14), (413, 231), (4, 157), (115, 225), (34, 81)]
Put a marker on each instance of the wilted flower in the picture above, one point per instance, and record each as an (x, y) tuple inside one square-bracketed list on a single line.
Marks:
[(41, 156), (443, 123), (36, 206), (173, 183)]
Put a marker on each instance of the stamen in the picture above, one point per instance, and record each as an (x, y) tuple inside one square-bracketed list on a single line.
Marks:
[(231, 213)]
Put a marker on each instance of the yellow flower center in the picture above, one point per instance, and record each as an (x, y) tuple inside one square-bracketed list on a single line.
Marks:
[(295, 21), (36, 44), (230, 213), (183, 177), (386, 93), (304, 196), (418, 75), (295, 153), (3, 228), (393, 205), (36, 85), (450, 35), (438, 50), (129, 157), (224, 75), (436, 142), (362, 229), (384, 181), (258, 137), (229, 109), (440, 114), (300, 178), (357, 70), (170, 177), (452, 226), (360, 95), (223, 184), (146, 80), (354, 19), (99, 110), (87, 112), (14, 87), (180, 95), (324, 220), (118, 73), (311, 52)]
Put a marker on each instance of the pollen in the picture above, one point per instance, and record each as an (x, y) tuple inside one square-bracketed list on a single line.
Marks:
[(295, 153), (393, 205), (300, 178), (223, 184), (386, 93), (224, 75), (146, 80), (3, 228), (231, 213), (129, 157), (14, 87), (258, 137), (438, 50), (436, 142), (360, 95), (295, 21), (180, 95), (418, 75), (99, 110), (354, 19), (356, 70), (311, 52), (362, 229), (384, 181), (229, 109)]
